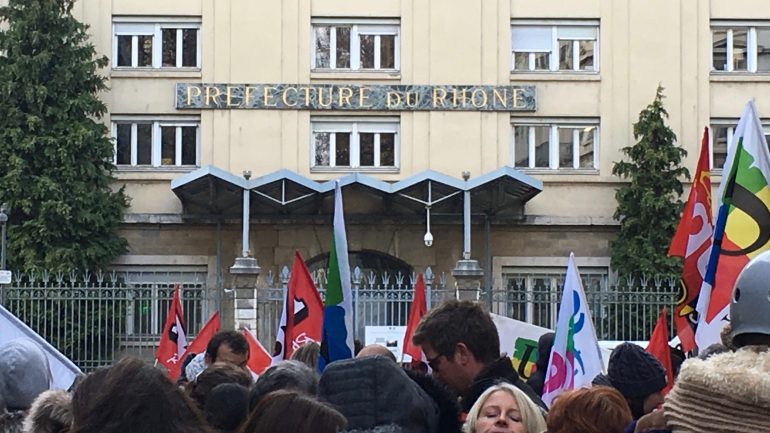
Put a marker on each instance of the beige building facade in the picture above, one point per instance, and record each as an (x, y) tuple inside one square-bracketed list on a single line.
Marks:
[(593, 64)]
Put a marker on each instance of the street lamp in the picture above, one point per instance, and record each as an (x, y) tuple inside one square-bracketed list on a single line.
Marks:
[(3, 222)]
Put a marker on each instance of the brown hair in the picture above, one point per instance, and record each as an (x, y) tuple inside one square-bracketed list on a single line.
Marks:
[(456, 322), (274, 412), (600, 409), (216, 374), (135, 397), (308, 354)]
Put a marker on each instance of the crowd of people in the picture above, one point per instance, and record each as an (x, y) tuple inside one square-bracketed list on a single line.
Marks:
[(466, 386)]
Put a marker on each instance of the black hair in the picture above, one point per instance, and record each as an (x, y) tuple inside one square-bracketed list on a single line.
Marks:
[(233, 339)]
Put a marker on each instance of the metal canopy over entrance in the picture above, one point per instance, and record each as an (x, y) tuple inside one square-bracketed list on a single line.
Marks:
[(211, 192)]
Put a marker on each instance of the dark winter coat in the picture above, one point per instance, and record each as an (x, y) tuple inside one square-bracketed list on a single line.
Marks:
[(374, 391), (537, 380), (498, 371), (449, 410)]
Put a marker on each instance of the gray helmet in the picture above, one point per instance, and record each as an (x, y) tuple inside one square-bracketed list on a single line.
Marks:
[(750, 304)]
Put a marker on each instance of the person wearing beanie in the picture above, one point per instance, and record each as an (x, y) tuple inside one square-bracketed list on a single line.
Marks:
[(638, 376)]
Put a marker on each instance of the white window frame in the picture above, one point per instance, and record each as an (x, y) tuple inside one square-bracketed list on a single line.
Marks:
[(553, 62), (554, 268), (553, 142), (357, 28), (751, 44), (156, 145), (730, 124), (355, 126), (128, 26)]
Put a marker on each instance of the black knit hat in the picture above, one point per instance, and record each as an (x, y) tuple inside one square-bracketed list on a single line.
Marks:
[(634, 372)]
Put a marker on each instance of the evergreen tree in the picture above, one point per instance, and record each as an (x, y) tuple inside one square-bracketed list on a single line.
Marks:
[(649, 206), (55, 153)]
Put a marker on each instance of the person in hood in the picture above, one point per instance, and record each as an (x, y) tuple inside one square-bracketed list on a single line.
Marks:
[(24, 374), (462, 346), (544, 345), (374, 392)]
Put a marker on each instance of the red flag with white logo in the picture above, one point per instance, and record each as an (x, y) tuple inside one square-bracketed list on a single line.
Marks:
[(198, 345), (692, 241), (302, 317), (173, 342)]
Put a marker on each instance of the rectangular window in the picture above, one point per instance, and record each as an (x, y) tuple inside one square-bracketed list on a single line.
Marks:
[(555, 144), (568, 46), (740, 47), (721, 135), (156, 143), (532, 294), (355, 45), (160, 45), (355, 144)]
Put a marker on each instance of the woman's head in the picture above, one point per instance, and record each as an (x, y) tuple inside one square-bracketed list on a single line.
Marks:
[(135, 397), (504, 408), (308, 354), (273, 415), (600, 409), (216, 374)]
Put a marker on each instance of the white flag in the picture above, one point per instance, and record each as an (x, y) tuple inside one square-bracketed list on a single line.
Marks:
[(63, 371), (575, 358)]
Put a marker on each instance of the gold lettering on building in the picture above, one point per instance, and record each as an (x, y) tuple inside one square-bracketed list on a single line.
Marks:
[(344, 94), (515, 98), (496, 96), (307, 95), (412, 99), (320, 91), (474, 99), (190, 93), (285, 94), (362, 97), (248, 95), (267, 96), (437, 98), (212, 95), (463, 97), (229, 96), (393, 99)]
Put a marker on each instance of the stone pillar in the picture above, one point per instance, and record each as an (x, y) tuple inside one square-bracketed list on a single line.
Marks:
[(245, 272), (468, 277)]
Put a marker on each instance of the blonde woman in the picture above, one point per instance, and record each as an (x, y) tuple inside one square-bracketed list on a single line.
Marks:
[(503, 408)]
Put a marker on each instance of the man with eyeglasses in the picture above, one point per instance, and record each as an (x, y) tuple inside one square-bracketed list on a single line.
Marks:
[(462, 346)]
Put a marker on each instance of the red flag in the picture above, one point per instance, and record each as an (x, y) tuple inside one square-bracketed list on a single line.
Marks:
[(259, 357), (692, 241), (302, 317), (659, 348), (198, 345), (419, 309), (172, 340)]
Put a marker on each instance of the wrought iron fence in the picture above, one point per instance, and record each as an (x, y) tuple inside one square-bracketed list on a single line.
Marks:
[(94, 318)]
